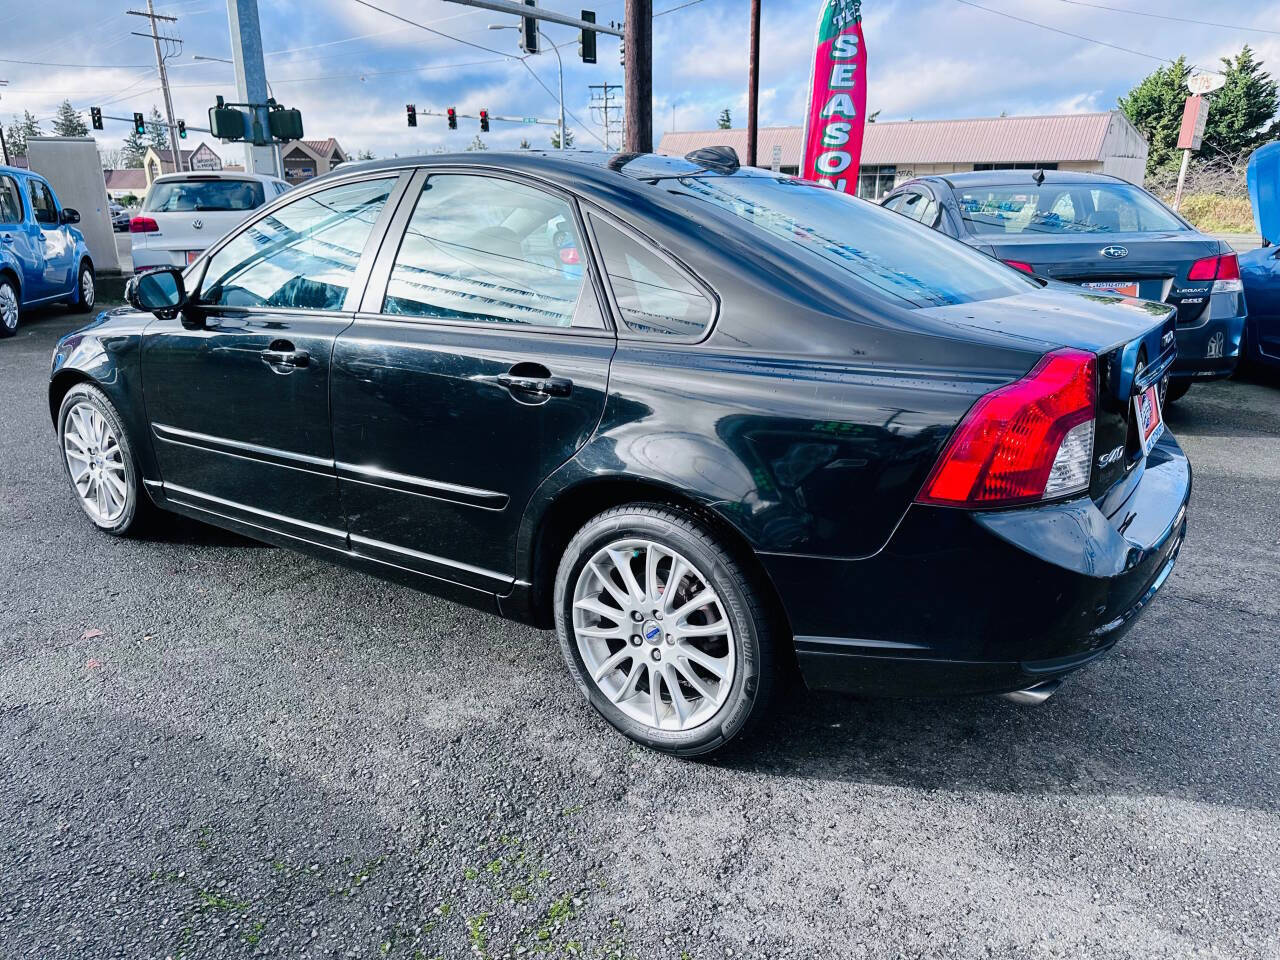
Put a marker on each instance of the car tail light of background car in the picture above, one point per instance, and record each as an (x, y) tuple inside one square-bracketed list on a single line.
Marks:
[(1223, 270), (143, 225), (1020, 265), (1028, 441)]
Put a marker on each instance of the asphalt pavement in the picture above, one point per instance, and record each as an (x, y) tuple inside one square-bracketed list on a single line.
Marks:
[(213, 748)]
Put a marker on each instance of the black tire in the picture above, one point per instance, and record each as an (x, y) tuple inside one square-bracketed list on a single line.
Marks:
[(1177, 390), (138, 507), (755, 671), (78, 301), (10, 307)]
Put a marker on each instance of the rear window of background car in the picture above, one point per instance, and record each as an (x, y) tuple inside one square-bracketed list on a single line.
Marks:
[(912, 266), (1063, 208), (184, 196)]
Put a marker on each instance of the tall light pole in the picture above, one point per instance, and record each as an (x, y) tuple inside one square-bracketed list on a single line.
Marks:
[(559, 66), (251, 80), (753, 84)]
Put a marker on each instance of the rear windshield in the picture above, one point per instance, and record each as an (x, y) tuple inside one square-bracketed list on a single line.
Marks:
[(1057, 208), (179, 196), (903, 261)]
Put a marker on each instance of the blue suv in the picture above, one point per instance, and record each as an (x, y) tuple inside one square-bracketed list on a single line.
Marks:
[(43, 258)]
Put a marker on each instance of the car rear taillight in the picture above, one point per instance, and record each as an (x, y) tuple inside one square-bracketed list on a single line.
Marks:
[(1019, 265), (1030, 440), (1223, 270), (143, 225)]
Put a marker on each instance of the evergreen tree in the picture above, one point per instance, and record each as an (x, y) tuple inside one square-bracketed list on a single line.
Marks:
[(725, 122), (477, 144), (157, 132), (134, 149), (1242, 114), (18, 131), (568, 139), (69, 122), (525, 144), (1154, 106)]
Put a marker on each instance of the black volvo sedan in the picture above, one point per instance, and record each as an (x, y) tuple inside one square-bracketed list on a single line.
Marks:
[(706, 422)]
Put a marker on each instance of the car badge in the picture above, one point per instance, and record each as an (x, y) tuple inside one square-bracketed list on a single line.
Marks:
[(1216, 344), (198, 224), (1167, 338), (1111, 456), (1115, 251)]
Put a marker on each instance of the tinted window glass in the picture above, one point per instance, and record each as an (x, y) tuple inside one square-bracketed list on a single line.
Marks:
[(10, 202), (302, 255), (1063, 208), (488, 250), (180, 196), (42, 205), (655, 297), (903, 263)]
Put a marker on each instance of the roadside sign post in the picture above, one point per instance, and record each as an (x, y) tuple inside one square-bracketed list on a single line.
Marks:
[(1194, 115)]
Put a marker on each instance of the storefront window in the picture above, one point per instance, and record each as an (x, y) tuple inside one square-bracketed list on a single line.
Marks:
[(875, 182)]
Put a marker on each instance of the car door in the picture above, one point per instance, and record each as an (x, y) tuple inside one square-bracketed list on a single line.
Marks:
[(477, 366), (18, 244), (53, 240), (238, 397)]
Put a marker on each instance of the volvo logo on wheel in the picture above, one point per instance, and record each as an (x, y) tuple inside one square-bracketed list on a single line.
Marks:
[(1115, 251), (652, 632)]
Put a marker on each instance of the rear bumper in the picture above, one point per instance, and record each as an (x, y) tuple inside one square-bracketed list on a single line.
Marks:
[(149, 258), (1210, 349), (962, 602)]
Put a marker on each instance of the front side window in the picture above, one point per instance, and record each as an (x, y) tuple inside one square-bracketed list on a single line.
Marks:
[(10, 201), (42, 205), (487, 250), (1063, 208), (301, 256), (901, 263), (654, 297), (186, 196)]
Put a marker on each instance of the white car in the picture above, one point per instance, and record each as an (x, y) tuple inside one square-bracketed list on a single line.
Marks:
[(184, 213)]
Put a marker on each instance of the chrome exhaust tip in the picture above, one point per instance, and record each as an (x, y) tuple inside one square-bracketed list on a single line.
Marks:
[(1035, 695)]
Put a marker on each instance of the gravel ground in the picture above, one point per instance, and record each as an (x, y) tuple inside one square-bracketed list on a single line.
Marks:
[(213, 748)]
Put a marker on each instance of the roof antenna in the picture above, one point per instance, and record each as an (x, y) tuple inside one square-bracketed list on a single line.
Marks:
[(1038, 176)]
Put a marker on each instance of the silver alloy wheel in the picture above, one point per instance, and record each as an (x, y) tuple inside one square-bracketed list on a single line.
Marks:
[(8, 307), (86, 288), (96, 463), (654, 634)]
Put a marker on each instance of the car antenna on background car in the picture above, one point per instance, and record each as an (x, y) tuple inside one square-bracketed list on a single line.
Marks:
[(717, 159), (1038, 177)]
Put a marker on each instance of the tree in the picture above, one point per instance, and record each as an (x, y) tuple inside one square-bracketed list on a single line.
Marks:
[(68, 122), (477, 144), (157, 131), (112, 158), (725, 122), (1154, 106), (568, 139), (525, 144), (364, 155), (135, 148), (1242, 114), (18, 131)]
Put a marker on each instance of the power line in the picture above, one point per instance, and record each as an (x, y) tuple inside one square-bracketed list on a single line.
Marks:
[(1068, 33), (438, 33), (678, 6), (1165, 16)]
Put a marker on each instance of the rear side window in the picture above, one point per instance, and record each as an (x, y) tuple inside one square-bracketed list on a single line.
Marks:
[(10, 201), (655, 298), (42, 205), (185, 196), (301, 256)]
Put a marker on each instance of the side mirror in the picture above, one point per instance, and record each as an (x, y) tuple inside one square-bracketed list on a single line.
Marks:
[(161, 292), (69, 215)]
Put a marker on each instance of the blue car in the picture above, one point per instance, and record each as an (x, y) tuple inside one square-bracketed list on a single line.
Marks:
[(1260, 271), (43, 258), (1102, 233)]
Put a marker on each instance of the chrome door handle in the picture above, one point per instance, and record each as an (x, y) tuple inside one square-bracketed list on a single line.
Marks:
[(286, 357), (6, 239), (540, 386)]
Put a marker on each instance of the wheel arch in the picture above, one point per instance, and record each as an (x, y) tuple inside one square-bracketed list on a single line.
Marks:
[(61, 384), (9, 273), (575, 504)]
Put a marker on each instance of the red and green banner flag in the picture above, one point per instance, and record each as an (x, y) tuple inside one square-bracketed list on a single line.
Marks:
[(833, 126)]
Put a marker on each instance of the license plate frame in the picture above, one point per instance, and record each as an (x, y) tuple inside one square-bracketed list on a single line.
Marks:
[(1120, 288), (1149, 418)]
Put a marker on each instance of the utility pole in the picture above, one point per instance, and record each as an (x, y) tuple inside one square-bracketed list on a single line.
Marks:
[(154, 18), (753, 84), (604, 102), (251, 82), (637, 46), (4, 147)]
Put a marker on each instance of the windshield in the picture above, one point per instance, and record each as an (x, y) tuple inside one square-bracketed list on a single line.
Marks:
[(178, 196), (902, 261), (1058, 208)]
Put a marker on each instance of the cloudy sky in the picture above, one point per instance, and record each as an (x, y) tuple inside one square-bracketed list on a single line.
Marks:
[(351, 69)]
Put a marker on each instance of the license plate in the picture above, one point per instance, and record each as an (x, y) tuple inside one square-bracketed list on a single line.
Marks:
[(1121, 288), (193, 256), (1146, 408)]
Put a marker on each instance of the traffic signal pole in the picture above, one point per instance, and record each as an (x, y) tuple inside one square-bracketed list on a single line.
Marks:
[(251, 82), (637, 46)]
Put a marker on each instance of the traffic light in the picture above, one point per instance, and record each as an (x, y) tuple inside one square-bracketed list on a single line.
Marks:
[(587, 45), (529, 30), (411, 110), (182, 129), (95, 115), (284, 123), (139, 124), (453, 119), (484, 121)]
